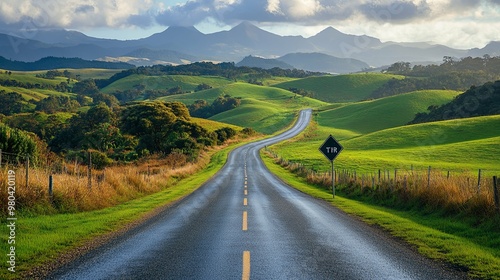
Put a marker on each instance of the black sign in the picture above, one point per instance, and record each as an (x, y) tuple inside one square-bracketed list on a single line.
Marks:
[(331, 148)]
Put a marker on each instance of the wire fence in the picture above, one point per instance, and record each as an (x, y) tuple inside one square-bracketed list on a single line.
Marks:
[(453, 192)]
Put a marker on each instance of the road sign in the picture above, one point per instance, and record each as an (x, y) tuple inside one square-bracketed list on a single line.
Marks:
[(331, 148)]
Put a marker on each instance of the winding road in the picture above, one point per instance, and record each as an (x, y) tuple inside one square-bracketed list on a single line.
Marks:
[(245, 223)]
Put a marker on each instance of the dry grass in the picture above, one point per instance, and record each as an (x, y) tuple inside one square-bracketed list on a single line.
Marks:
[(73, 192), (437, 191)]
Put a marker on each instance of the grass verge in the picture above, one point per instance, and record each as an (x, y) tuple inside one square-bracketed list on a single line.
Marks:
[(42, 239), (452, 241)]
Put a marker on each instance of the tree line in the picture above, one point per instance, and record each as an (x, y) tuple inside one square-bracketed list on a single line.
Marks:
[(123, 133), (226, 69), (452, 74), (477, 101)]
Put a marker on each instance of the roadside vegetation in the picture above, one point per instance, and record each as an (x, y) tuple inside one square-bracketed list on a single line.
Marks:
[(146, 129), (459, 241)]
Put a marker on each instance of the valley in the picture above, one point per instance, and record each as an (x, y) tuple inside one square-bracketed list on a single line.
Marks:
[(375, 133)]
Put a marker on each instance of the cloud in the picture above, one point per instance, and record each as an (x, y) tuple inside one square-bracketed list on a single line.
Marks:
[(397, 11), (35, 14)]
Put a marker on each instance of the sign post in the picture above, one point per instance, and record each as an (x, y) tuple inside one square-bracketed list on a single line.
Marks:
[(331, 149)]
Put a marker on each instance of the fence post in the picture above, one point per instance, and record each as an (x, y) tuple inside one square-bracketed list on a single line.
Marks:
[(50, 187), (0, 157), (496, 194), (379, 176), (479, 182), (27, 170), (89, 170), (429, 178)]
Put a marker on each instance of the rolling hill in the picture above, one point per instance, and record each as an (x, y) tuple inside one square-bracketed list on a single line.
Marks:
[(341, 88), (370, 116), (187, 83), (374, 135), (266, 109)]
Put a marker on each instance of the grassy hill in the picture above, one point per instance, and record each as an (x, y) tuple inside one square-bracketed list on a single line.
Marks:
[(374, 136), (265, 109), (187, 83), (342, 88), (374, 115)]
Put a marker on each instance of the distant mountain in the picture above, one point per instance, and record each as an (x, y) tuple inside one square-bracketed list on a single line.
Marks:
[(336, 43), (396, 52), (50, 63), (231, 45), (162, 56), (323, 63), (264, 63), (492, 49)]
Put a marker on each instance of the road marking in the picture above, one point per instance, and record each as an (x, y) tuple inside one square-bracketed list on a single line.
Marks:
[(245, 201), (246, 192), (246, 266), (245, 221)]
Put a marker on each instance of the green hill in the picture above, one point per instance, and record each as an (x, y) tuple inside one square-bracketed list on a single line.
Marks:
[(187, 83), (265, 109), (436, 133), (369, 116), (342, 88)]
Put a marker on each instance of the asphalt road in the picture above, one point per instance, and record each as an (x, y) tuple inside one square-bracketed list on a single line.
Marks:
[(246, 224)]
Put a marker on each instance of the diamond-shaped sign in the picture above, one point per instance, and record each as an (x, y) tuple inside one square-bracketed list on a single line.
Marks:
[(331, 148)]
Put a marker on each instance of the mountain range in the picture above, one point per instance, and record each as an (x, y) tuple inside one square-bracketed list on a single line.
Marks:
[(180, 45)]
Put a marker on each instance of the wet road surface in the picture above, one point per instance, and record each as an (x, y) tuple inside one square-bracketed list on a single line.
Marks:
[(246, 224)]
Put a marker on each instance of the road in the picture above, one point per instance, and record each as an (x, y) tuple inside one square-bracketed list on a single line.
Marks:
[(245, 223)]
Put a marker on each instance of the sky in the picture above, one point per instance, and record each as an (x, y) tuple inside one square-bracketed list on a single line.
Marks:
[(460, 24)]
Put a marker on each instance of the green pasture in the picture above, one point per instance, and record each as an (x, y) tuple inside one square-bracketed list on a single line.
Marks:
[(187, 83), (456, 145), (264, 109), (341, 88), (369, 116), (30, 77)]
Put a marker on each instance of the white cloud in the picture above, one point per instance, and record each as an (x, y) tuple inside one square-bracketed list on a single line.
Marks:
[(455, 22), (74, 13)]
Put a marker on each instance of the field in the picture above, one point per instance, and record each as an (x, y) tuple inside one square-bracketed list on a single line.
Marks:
[(373, 132), (264, 109), (342, 88), (187, 83)]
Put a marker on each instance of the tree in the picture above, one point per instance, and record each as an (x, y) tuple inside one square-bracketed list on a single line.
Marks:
[(12, 103), (86, 87), (53, 104), (110, 100), (146, 118)]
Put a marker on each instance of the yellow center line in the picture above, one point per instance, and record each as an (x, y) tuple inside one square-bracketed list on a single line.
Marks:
[(245, 201), (245, 221), (246, 266)]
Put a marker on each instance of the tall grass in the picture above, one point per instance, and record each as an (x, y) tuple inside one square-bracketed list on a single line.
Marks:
[(73, 191), (433, 191)]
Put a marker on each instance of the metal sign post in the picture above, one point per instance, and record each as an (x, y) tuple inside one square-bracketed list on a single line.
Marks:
[(331, 149)]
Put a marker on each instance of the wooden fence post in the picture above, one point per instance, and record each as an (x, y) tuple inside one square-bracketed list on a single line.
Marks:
[(27, 170), (51, 194), (429, 178), (89, 170), (496, 194), (479, 182)]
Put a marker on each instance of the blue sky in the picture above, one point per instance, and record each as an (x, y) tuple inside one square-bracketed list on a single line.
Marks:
[(457, 23)]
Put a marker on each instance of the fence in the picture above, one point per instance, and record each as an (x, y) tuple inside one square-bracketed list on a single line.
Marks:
[(453, 192), (76, 186)]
